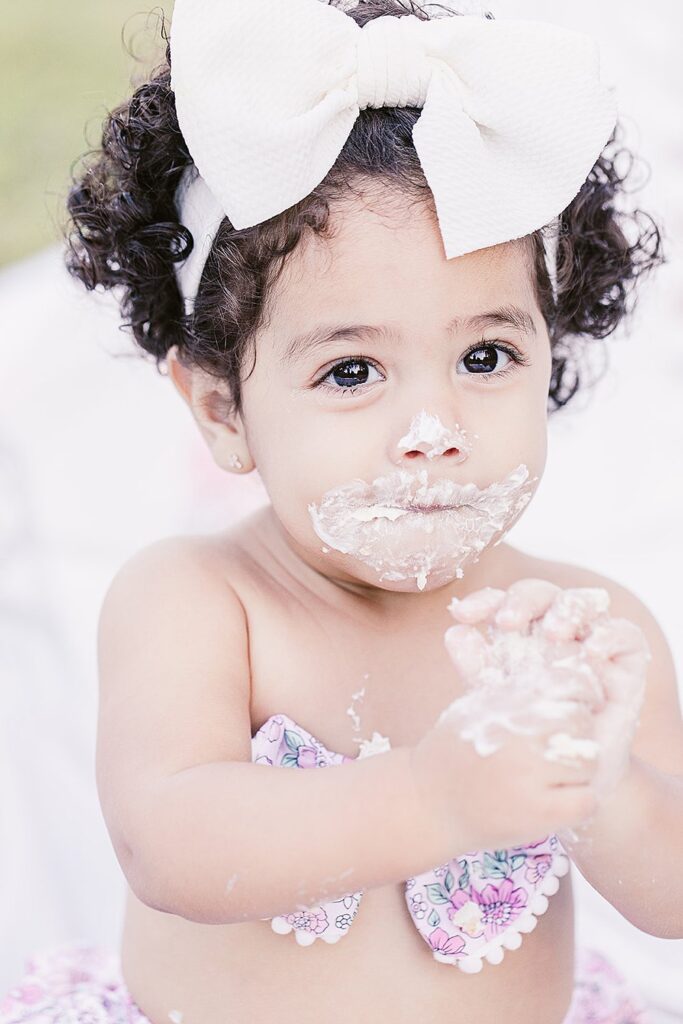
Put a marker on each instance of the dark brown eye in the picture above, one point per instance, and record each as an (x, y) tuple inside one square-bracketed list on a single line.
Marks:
[(349, 373), (485, 359)]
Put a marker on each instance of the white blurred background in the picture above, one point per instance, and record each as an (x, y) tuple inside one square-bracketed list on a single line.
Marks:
[(98, 457)]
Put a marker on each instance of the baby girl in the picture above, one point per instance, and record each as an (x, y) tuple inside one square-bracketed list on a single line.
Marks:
[(368, 244)]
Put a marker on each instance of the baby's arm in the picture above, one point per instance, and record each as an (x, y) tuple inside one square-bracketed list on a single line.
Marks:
[(198, 829)]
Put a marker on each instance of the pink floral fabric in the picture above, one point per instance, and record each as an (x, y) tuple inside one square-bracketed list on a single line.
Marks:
[(79, 983), (76, 983), (469, 911)]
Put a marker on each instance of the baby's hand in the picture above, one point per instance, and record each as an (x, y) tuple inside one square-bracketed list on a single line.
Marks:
[(563, 614), (619, 654), (606, 657)]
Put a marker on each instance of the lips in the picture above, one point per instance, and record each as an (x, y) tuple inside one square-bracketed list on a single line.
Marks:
[(357, 520), (430, 508)]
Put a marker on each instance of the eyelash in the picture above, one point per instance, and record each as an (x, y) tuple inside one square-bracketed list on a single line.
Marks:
[(517, 360)]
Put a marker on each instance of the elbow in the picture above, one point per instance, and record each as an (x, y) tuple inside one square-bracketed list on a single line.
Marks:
[(146, 885), (165, 887), (152, 896), (139, 882), (157, 891), (663, 929), (661, 925)]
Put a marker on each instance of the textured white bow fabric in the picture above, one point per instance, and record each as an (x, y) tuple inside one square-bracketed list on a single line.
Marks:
[(513, 113)]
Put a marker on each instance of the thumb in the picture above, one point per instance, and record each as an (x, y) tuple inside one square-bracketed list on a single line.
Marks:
[(467, 649)]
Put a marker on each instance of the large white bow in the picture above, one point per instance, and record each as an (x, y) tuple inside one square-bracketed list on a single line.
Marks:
[(267, 91)]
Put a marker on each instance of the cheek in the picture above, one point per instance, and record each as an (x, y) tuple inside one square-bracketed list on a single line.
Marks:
[(530, 417), (512, 429), (301, 449), (300, 459), (531, 444)]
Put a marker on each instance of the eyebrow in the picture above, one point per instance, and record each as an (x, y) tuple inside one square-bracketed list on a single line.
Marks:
[(504, 316)]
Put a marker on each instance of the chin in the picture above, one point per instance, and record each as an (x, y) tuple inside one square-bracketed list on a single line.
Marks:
[(410, 579)]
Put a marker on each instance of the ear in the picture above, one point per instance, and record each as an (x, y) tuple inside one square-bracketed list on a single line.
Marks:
[(209, 402)]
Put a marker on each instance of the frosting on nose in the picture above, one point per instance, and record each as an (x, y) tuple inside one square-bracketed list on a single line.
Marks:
[(428, 435), (393, 68)]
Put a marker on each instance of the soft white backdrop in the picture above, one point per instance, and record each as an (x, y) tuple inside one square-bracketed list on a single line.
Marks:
[(99, 457)]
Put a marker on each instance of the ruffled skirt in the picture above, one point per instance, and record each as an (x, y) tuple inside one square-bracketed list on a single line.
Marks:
[(79, 983)]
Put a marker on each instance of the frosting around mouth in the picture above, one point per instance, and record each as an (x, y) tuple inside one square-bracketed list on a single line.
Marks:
[(371, 522)]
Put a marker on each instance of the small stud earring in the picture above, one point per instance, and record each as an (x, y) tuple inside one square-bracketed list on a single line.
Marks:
[(235, 462)]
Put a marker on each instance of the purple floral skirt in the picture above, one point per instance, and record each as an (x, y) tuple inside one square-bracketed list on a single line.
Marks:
[(79, 983)]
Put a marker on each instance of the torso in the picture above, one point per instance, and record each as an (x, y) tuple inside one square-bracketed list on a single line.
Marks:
[(310, 652)]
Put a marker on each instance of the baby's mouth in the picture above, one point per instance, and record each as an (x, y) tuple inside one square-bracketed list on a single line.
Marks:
[(432, 508), (392, 511), (405, 492), (405, 526)]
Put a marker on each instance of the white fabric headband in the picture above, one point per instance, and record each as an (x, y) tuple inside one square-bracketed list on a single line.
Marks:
[(267, 91)]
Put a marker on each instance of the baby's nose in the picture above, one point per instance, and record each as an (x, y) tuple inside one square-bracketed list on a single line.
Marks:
[(426, 451), (428, 438)]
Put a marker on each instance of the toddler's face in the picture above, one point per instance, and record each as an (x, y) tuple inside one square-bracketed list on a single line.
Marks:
[(416, 388)]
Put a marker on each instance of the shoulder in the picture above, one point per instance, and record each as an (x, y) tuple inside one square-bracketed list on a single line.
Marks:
[(217, 560), (659, 739), (175, 590)]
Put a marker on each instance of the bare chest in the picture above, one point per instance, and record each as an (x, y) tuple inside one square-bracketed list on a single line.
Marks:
[(343, 676), (343, 686)]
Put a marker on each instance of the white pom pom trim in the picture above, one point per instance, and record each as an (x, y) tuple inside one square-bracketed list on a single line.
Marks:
[(525, 923), (539, 904), (512, 940), (472, 965), (494, 951), (304, 938), (550, 885), (495, 955)]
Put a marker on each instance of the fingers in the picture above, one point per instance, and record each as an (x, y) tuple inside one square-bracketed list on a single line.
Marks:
[(525, 600), (621, 651), (618, 639), (559, 711), (565, 613), (571, 751), (573, 610), (571, 747), (476, 607), (467, 649), (574, 676), (566, 746)]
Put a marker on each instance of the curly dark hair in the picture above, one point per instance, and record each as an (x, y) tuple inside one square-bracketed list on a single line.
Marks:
[(124, 233)]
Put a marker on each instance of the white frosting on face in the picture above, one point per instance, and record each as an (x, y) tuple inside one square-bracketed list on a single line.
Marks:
[(428, 435), (384, 523)]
